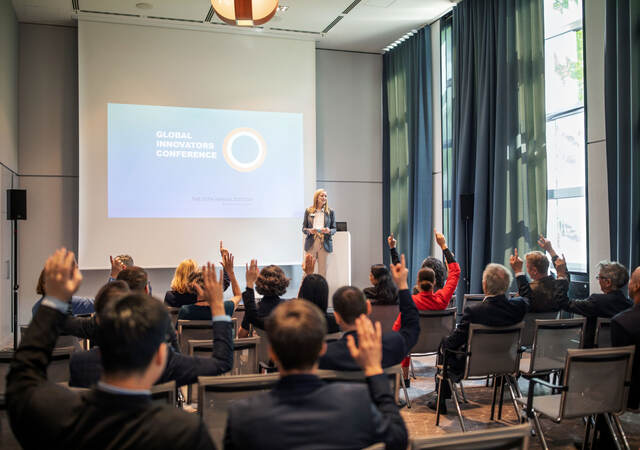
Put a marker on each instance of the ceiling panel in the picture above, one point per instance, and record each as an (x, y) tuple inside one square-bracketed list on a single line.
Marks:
[(369, 26)]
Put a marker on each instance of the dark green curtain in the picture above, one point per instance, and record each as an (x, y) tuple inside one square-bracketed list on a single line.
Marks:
[(498, 131), (407, 148), (622, 117)]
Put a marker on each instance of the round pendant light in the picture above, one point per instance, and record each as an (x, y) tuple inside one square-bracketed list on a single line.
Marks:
[(245, 13)]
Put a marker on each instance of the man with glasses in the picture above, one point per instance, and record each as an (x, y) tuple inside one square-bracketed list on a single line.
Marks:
[(613, 277)]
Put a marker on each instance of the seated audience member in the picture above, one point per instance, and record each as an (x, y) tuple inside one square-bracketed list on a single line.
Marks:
[(428, 300), (78, 305), (85, 368), (541, 291), (625, 330), (314, 288), (271, 283), (303, 411), (383, 291), (496, 310), (181, 293), (431, 262), (118, 413), (201, 310), (613, 277), (349, 304)]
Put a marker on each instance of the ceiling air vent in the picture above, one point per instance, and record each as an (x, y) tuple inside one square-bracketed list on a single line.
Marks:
[(293, 31), (75, 5), (332, 24), (209, 15), (351, 6), (172, 19), (109, 13)]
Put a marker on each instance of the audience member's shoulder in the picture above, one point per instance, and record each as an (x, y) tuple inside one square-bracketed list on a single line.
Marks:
[(182, 429)]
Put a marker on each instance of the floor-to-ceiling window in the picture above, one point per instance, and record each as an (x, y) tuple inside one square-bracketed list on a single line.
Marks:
[(446, 95), (564, 85)]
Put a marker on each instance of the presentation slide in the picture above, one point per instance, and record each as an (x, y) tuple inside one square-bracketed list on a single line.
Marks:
[(173, 162)]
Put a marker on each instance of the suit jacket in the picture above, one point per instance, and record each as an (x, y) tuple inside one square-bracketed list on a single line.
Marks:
[(625, 330), (495, 311), (46, 415), (85, 368), (540, 293), (303, 411), (395, 344), (329, 222), (597, 305), (178, 299)]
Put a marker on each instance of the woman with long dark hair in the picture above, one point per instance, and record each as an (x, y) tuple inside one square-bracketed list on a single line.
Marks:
[(384, 290)]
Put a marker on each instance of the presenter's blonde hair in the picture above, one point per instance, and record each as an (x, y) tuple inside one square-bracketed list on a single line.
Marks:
[(180, 282), (316, 194)]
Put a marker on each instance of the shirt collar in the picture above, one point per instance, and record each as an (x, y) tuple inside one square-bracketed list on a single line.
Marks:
[(105, 387)]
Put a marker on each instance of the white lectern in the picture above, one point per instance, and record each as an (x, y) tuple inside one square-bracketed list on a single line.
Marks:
[(339, 263)]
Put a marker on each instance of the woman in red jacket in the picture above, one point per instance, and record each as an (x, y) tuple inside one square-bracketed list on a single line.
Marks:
[(428, 300)]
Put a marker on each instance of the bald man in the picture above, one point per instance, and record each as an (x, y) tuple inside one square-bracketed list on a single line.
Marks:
[(625, 330)]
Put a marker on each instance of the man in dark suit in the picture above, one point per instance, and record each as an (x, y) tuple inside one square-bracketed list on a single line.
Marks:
[(541, 291), (85, 368), (613, 277), (349, 303), (496, 310), (303, 411), (118, 413), (625, 330)]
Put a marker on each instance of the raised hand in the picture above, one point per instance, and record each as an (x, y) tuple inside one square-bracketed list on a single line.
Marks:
[(213, 289), (308, 264), (561, 266), (546, 245), (440, 240), (368, 352), (223, 251), (252, 273), (516, 262), (227, 262), (62, 277), (391, 241), (117, 266), (400, 273)]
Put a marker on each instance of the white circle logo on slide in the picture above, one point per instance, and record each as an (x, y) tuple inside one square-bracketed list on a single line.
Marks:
[(227, 149)]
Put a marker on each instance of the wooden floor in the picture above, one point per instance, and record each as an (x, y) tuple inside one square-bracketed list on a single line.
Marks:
[(421, 420)]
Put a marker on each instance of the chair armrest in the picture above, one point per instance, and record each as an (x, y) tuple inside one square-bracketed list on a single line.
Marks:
[(546, 383)]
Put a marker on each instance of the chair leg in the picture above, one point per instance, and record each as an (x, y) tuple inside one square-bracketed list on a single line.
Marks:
[(404, 389), (612, 430), (616, 421), (455, 401), (588, 429), (501, 398), (464, 395), (510, 383), (538, 428), (411, 369), (438, 400), (493, 401)]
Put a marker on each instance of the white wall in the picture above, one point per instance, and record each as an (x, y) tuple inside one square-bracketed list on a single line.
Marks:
[(349, 149), (8, 153), (598, 201)]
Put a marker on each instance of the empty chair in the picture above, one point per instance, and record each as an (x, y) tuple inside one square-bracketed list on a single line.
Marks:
[(194, 330), (551, 340), (394, 372), (434, 326), (490, 351), (245, 354), (164, 393), (529, 325), (215, 394), (512, 438), (386, 315), (603, 333), (595, 381)]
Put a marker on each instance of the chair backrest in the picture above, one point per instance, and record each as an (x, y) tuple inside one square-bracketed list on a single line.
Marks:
[(552, 339), (263, 346), (245, 354), (350, 376), (505, 438), (386, 315), (215, 394), (173, 314), (434, 325), (603, 333), (164, 393), (63, 341), (596, 381), (193, 330), (472, 299), (530, 324), (493, 350), (57, 371)]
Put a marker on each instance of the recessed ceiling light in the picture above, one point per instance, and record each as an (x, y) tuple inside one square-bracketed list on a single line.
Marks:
[(282, 8), (144, 5)]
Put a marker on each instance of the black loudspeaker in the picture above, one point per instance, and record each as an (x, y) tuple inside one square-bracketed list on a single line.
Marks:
[(466, 206), (16, 204)]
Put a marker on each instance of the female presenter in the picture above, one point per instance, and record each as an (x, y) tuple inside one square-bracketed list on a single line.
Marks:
[(319, 225)]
